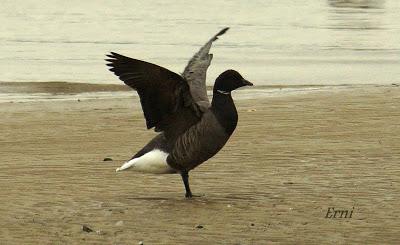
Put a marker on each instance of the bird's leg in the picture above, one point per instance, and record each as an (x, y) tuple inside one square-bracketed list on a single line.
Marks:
[(185, 178)]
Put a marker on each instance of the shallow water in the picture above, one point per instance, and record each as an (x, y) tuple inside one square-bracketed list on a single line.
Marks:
[(271, 42)]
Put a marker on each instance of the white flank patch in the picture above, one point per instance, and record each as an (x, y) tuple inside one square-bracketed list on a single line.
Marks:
[(154, 162)]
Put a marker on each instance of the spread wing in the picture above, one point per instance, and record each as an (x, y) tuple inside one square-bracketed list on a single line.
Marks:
[(195, 72), (164, 95)]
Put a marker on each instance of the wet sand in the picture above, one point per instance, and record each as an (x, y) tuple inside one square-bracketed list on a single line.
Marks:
[(58, 87), (289, 160)]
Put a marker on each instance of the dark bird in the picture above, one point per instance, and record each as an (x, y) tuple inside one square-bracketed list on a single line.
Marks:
[(191, 129)]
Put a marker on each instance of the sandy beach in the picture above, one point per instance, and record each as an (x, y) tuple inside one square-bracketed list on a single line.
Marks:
[(290, 159)]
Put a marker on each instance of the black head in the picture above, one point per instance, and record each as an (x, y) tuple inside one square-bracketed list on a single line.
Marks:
[(230, 80)]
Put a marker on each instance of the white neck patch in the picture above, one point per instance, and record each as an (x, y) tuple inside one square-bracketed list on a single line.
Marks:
[(223, 92)]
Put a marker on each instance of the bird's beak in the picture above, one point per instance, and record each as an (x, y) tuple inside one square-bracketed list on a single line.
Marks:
[(246, 83)]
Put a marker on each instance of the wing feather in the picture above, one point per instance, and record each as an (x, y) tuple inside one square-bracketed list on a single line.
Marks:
[(164, 95), (196, 70)]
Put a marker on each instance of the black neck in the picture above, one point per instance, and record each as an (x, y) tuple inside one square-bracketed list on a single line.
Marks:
[(225, 110)]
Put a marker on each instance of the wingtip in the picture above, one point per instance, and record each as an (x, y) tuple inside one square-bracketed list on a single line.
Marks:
[(113, 55), (223, 31)]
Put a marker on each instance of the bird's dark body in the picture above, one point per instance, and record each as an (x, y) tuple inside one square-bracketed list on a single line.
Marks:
[(202, 140), (199, 143)]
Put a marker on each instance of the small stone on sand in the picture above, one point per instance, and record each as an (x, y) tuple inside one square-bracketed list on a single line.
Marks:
[(107, 159), (86, 228)]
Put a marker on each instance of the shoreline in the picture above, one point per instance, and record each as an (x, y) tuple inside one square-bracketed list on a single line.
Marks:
[(21, 92), (78, 87)]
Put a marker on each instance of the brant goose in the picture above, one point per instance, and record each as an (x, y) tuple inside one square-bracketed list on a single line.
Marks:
[(191, 129)]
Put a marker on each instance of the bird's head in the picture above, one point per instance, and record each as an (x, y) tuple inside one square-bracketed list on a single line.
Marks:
[(228, 81)]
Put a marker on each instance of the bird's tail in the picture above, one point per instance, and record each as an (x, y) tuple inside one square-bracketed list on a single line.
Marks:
[(126, 165)]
